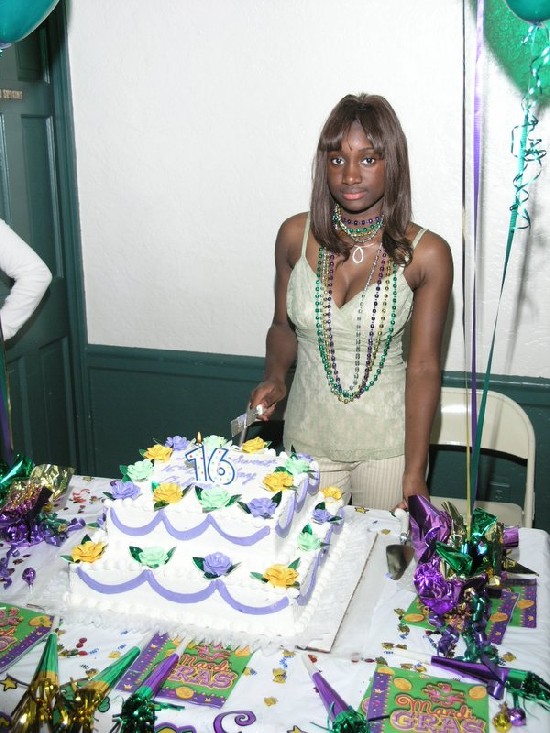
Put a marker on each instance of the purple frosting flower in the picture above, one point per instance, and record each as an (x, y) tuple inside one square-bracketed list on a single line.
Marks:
[(124, 490), (177, 442), (437, 593), (321, 516), (262, 507), (217, 564)]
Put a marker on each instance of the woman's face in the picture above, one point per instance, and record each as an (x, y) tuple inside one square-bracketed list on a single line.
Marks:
[(356, 175)]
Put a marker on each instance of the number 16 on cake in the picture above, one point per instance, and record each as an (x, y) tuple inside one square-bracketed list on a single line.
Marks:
[(214, 467)]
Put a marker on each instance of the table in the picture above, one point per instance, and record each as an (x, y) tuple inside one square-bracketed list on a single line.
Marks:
[(277, 694)]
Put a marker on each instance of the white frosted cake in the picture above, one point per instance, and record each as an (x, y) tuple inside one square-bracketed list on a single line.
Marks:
[(204, 535)]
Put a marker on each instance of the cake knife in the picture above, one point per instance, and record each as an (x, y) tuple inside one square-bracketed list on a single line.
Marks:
[(242, 422), (399, 556)]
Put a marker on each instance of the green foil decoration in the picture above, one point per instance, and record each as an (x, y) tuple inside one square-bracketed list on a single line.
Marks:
[(350, 721), (459, 562)]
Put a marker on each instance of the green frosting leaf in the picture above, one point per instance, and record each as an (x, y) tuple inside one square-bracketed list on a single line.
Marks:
[(258, 576)]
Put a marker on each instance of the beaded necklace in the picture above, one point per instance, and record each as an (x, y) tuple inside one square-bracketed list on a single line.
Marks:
[(323, 322), (363, 234)]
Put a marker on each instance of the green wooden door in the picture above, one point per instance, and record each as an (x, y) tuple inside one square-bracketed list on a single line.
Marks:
[(40, 357)]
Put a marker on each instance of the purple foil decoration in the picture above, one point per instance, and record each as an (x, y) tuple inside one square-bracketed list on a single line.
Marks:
[(28, 575), (448, 640), (437, 593), (48, 528), (124, 490), (5, 570), (511, 537), (16, 533), (428, 526)]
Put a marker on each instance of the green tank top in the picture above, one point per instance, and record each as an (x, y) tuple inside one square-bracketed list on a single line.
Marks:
[(316, 421)]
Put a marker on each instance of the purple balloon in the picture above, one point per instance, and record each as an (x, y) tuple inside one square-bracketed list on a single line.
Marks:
[(517, 717), (28, 575)]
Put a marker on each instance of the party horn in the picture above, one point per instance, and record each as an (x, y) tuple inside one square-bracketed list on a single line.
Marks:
[(77, 704), (34, 711), (344, 719), (520, 683), (490, 674), (138, 711)]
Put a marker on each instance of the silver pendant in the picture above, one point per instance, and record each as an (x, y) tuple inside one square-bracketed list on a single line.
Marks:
[(357, 255)]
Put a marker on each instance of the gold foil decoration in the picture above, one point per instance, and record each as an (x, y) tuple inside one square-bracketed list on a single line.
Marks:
[(54, 478)]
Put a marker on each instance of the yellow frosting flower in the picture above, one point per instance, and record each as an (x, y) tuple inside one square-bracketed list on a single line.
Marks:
[(253, 445), (167, 493), (88, 552), (278, 481), (332, 492), (158, 452), (281, 576)]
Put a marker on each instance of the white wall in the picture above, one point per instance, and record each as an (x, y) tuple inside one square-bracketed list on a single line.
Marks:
[(196, 122)]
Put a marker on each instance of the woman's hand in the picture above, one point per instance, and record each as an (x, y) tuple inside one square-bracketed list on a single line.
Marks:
[(413, 485), (281, 342), (268, 394)]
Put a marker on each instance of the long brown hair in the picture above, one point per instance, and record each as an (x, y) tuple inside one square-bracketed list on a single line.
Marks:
[(381, 126)]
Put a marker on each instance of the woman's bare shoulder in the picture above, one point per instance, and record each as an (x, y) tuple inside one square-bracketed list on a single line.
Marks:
[(290, 236), (430, 250), (427, 240), (294, 225), (431, 260)]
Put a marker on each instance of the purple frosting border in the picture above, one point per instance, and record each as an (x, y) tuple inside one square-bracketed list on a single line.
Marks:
[(147, 576), (187, 534)]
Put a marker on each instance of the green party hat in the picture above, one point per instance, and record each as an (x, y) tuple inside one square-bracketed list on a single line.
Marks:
[(34, 710), (104, 680)]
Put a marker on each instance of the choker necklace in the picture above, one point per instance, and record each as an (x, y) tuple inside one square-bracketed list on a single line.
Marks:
[(357, 252), (360, 222), (385, 268), (360, 236)]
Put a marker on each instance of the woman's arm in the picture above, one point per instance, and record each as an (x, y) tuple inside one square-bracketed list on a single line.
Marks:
[(31, 279), (281, 343), (431, 278)]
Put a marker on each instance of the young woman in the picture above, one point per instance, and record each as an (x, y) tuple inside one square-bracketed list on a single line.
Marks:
[(350, 273)]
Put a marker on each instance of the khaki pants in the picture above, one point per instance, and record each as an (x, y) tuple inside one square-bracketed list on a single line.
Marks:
[(375, 484)]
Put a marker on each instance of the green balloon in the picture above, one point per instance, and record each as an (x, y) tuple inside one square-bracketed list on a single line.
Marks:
[(505, 34), (18, 18), (534, 11)]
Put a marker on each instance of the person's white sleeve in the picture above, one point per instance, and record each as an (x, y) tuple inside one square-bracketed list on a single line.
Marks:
[(31, 279)]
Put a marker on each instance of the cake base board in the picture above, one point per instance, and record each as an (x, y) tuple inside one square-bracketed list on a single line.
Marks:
[(338, 606), (51, 595)]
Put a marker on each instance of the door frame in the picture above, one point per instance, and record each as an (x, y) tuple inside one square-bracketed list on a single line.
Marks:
[(56, 38)]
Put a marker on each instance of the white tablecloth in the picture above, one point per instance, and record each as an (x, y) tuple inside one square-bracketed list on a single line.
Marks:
[(278, 702)]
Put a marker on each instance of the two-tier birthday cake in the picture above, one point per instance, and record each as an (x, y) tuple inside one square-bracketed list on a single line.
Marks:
[(219, 542), (215, 539)]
